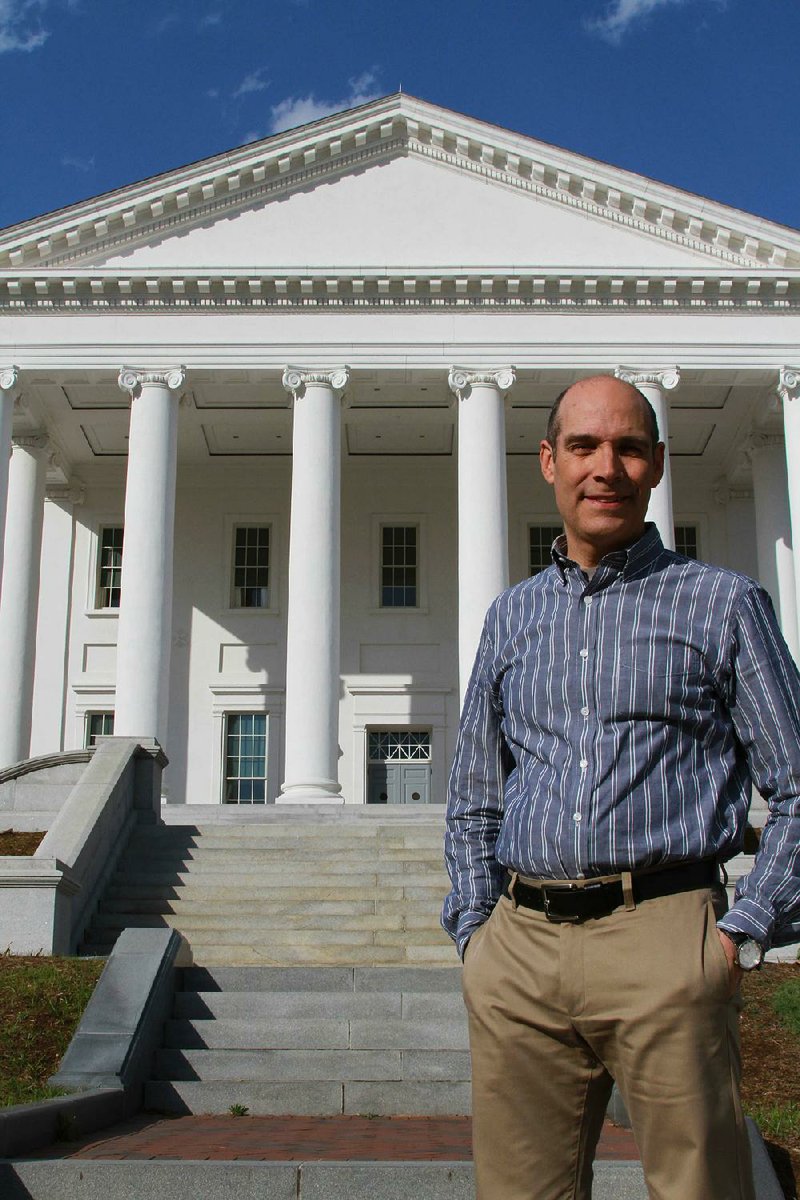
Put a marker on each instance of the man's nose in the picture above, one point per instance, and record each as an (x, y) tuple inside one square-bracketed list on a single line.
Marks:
[(608, 462)]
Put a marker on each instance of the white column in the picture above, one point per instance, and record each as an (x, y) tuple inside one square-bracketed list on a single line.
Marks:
[(789, 392), (144, 632), (654, 385), (20, 597), (8, 384), (312, 634), (767, 454), (482, 502)]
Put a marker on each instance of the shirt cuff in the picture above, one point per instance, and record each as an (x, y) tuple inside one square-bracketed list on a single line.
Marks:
[(468, 923), (747, 917)]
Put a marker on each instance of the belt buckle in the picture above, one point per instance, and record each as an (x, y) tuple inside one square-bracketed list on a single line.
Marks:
[(555, 917)]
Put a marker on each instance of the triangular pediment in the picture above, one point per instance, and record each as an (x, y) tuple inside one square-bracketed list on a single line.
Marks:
[(403, 183)]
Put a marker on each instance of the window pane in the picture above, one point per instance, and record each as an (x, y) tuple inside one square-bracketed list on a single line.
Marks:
[(686, 540), (541, 538), (245, 758), (98, 724), (399, 579), (399, 745), (109, 567), (250, 588)]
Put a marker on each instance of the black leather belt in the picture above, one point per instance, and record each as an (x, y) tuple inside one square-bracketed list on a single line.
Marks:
[(575, 902)]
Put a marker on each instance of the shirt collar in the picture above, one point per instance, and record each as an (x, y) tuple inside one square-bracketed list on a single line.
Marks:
[(644, 551)]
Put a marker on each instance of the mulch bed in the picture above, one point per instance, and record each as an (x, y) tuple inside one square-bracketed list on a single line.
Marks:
[(771, 1063), (18, 843)]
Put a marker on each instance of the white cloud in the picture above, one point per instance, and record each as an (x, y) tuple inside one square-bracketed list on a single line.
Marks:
[(254, 82), (78, 164), (168, 21), (210, 20), (20, 27), (620, 15), (300, 110)]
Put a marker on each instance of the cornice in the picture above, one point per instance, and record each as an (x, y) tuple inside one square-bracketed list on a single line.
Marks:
[(393, 126), (399, 288)]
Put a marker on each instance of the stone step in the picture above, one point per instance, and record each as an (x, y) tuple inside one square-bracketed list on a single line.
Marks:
[(264, 814), (324, 979), (278, 925), (312, 1180), (270, 853), (247, 875), (212, 893), (246, 905), (213, 953), (319, 1098), (387, 1006), (304, 1066)]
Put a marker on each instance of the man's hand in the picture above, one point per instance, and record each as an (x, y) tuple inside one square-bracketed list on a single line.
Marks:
[(735, 970)]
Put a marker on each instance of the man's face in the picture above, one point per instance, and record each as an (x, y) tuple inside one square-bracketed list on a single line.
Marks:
[(603, 467)]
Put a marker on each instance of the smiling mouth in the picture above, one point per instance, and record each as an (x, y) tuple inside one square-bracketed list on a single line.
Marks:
[(607, 501)]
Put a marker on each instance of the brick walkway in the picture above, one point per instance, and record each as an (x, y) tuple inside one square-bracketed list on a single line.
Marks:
[(286, 1139)]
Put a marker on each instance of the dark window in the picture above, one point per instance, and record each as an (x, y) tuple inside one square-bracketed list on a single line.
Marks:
[(686, 540), (399, 745), (541, 538), (109, 573), (246, 758), (98, 724), (251, 566), (399, 566)]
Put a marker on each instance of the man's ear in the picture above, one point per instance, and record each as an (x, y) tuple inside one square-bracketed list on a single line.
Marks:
[(546, 457), (658, 464)]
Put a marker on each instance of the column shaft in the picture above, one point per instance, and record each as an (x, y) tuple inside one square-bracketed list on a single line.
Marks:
[(774, 533), (654, 385), (8, 381), (312, 635), (482, 504), (789, 391), (144, 635), (20, 595)]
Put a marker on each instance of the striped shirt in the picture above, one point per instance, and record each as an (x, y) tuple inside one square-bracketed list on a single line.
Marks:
[(616, 723)]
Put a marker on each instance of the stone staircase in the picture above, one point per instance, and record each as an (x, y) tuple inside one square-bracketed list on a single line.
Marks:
[(315, 1040), (281, 887)]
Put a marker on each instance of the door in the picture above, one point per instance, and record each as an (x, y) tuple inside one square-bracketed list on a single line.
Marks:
[(399, 766)]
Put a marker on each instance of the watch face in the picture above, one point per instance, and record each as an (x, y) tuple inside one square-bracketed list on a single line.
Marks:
[(750, 955)]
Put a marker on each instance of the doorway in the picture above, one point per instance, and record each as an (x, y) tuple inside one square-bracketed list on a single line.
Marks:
[(399, 766)]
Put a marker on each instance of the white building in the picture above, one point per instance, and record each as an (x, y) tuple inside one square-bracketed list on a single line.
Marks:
[(314, 373)]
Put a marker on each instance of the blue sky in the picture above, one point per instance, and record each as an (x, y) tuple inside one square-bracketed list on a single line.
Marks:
[(699, 93)]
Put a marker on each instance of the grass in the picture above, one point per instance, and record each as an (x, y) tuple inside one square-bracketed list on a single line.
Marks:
[(786, 1002), (41, 1002), (778, 1121), (15, 843)]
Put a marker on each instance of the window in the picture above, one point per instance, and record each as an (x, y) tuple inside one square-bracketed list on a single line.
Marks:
[(98, 724), (245, 758), (109, 567), (686, 540), (250, 566), (399, 745), (399, 568), (540, 539)]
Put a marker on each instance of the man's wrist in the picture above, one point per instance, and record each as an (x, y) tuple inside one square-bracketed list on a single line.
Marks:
[(749, 953)]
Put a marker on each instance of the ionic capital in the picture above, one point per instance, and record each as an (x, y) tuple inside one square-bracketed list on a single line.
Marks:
[(31, 441), (67, 493), (9, 378), (789, 384), (132, 380), (666, 379), (762, 441), (296, 380), (460, 380)]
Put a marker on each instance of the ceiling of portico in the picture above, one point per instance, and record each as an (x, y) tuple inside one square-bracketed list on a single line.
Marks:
[(225, 418)]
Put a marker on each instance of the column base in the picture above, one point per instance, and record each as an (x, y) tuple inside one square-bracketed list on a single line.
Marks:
[(321, 792)]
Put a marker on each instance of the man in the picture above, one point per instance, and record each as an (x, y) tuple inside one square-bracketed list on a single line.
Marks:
[(620, 704)]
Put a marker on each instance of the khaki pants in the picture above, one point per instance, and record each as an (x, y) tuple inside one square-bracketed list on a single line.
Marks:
[(556, 1011)]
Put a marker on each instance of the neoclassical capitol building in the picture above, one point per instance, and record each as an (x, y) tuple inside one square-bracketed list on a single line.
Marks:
[(269, 428)]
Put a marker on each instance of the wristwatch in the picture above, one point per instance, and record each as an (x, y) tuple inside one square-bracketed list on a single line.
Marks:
[(749, 952)]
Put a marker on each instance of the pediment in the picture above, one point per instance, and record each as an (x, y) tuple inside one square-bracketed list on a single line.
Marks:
[(436, 189)]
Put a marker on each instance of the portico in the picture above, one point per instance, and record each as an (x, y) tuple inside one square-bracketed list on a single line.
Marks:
[(258, 511)]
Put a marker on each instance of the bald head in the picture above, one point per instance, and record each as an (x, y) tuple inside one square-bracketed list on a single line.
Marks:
[(584, 388)]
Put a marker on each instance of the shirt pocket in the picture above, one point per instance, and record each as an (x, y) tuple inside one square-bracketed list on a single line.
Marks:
[(646, 683)]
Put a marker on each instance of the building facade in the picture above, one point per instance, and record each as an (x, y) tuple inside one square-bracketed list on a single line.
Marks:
[(274, 421)]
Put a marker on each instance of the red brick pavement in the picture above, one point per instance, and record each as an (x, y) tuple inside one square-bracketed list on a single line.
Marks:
[(285, 1139)]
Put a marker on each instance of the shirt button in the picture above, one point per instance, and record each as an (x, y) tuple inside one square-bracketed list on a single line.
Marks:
[(584, 764), (588, 601), (584, 712), (584, 653), (577, 818)]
